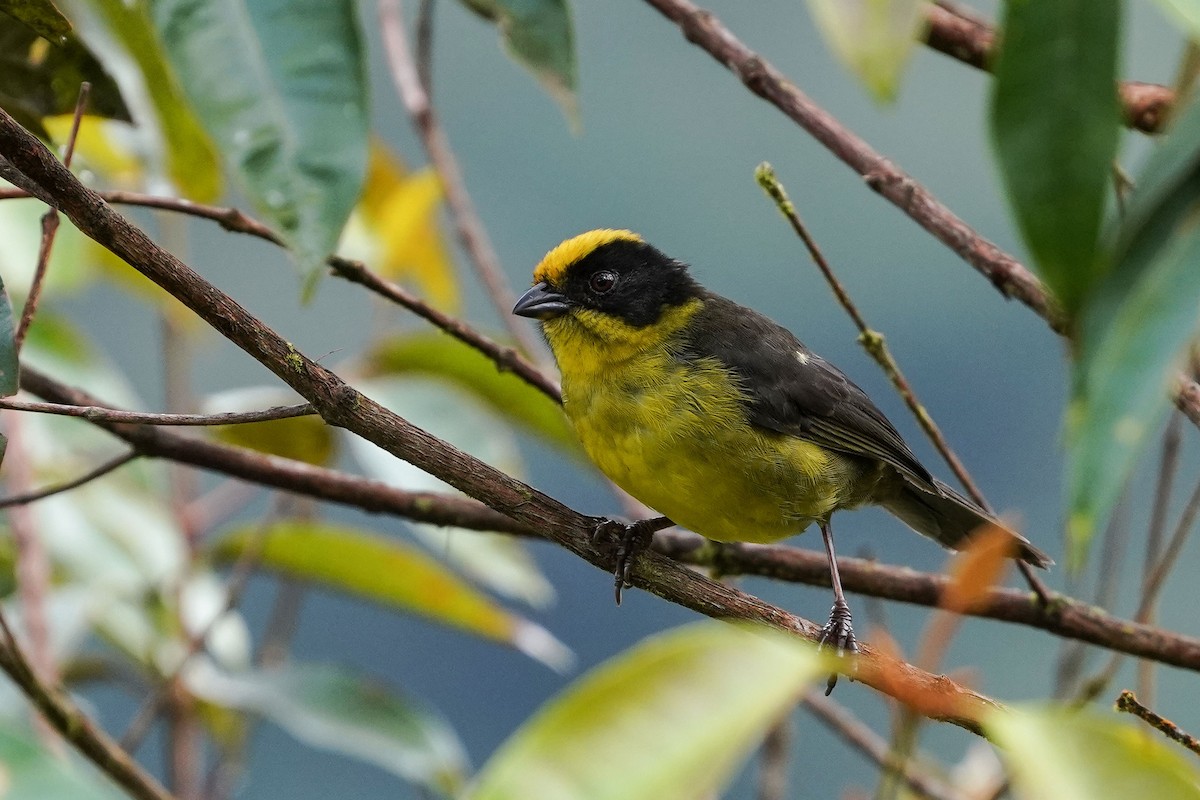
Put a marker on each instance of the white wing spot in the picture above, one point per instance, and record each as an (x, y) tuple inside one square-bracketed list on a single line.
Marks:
[(802, 356)]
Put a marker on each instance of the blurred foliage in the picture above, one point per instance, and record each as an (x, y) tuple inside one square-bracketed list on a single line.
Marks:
[(395, 229), (1055, 140), (1059, 753), (40, 16), (388, 572), (874, 38), (39, 79), (669, 719), (271, 96), (539, 35), (1134, 331)]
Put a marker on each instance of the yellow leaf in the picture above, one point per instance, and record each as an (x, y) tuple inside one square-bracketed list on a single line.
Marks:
[(399, 211)]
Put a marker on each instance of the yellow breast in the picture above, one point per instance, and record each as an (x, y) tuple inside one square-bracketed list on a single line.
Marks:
[(674, 434)]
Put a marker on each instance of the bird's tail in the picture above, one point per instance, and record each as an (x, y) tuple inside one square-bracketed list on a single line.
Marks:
[(949, 518)]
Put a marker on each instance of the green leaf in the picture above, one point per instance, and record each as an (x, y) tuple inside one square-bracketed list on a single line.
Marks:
[(874, 38), (1186, 13), (1055, 128), (1133, 330), (281, 86), (670, 719), (540, 36), (41, 16), (501, 563), (392, 574), (37, 81), (10, 366), (336, 709), (31, 772), (118, 31), (441, 356), (1068, 754)]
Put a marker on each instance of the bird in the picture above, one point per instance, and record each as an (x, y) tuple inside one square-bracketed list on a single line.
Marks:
[(720, 419)]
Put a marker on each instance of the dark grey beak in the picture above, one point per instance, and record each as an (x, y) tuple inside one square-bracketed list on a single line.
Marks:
[(541, 302)]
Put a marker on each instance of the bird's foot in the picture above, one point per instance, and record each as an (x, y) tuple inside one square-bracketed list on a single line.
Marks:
[(632, 538), (838, 633)]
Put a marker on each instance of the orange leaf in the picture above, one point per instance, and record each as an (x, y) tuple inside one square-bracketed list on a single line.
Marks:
[(978, 567)]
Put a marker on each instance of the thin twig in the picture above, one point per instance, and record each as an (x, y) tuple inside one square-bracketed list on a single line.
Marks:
[(858, 735), (424, 47), (231, 219), (506, 358), (1128, 703), (871, 340), (60, 711), (1167, 467), (467, 223), (59, 488), (49, 229), (876, 346), (773, 761), (100, 414)]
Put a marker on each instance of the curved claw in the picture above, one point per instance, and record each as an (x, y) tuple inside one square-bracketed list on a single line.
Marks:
[(631, 540), (838, 633)]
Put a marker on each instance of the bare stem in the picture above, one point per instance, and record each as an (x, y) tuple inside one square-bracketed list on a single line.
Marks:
[(60, 711), (59, 488), (876, 346), (49, 229), (471, 232), (100, 414), (1128, 703)]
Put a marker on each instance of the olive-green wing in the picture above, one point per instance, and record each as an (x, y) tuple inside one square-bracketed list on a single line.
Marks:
[(793, 391)]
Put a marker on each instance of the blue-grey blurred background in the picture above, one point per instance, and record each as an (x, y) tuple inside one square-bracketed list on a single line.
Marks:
[(668, 146)]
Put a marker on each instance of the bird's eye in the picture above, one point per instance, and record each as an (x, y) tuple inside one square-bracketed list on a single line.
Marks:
[(603, 281)]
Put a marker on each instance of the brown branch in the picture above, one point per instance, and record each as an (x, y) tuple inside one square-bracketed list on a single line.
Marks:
[(105, 414), (1068, 617), (231, 219), (703, 29), (60, 711), (467, 224), (1144, 106), (59, 488), (1128, 703), (1065, 617), (506, 358), (280, 473), (1009, 276), (340, 405)]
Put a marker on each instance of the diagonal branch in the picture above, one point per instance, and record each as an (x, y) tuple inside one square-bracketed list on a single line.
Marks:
[(1008, 275), (1068, 617), (340, 405)]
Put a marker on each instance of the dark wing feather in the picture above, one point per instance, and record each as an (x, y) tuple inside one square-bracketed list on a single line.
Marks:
[(794, 391)]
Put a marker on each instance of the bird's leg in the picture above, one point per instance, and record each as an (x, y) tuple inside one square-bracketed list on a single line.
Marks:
[(632, 538), (839, 631)]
